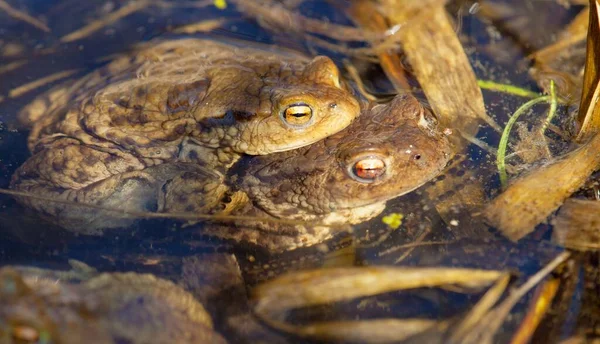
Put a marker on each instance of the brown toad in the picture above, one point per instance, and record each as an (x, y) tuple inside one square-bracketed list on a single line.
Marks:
[(180, 101), (46, 306)]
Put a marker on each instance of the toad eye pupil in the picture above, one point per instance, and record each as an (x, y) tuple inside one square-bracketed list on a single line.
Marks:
[(368, 169), (298, 115)]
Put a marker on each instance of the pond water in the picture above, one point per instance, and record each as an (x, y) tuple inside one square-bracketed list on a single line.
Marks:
[(497, 49)]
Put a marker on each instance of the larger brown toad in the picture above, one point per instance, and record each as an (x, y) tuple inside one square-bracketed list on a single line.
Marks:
[(43, 306), (180, 101)]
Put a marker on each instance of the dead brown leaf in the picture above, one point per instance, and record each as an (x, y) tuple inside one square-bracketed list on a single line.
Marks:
[(365, 14), (589, 111), (577, 225), (314, 287), (439, 63), (337, 284)]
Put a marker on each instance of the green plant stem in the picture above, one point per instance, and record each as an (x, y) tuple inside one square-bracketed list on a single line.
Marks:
[(500, 158), (553, 106), (510, 89)]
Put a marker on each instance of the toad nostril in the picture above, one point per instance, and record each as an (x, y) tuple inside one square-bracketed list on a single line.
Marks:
[(417, 157)]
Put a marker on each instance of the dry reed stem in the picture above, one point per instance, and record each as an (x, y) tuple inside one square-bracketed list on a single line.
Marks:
[(19, 15)]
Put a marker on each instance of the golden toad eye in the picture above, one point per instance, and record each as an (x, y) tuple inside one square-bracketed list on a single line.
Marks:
[(367, 170), (298, 115), (26, 334)]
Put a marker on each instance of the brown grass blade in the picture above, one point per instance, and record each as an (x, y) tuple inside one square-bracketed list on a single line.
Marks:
[(30, 86), (589, 110), (482, 307), (203, 26), (109, 19), (314, 287), (23, 16), (272, 13), (9, 67), (489, 325), (378, 331), (538, 307)]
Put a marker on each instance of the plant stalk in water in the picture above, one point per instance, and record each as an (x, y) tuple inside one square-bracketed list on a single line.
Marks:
[(500, 158), (553, 106), (505, 88)]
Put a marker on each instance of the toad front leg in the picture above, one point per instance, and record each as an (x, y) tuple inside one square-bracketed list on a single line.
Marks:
[(65, 175)]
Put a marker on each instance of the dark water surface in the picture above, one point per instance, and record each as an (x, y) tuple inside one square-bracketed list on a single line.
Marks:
[(28, 240)]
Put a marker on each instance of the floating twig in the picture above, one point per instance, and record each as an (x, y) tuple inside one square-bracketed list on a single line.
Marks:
[(30, 86), (203, 26), (96, 25), (11, 66), (23, 16)]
